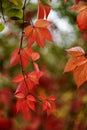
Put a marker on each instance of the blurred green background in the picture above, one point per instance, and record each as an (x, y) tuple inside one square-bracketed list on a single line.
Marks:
[(71, 113)]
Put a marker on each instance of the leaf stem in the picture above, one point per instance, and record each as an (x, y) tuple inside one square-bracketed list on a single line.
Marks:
[(21, 42)]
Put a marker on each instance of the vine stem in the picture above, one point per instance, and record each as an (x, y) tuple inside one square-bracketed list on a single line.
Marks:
[(21, 43), (2, 11)]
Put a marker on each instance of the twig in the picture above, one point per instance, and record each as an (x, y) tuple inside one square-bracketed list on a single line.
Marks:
[(2, 12)]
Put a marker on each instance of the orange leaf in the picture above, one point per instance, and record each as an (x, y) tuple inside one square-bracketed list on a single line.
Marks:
[(80, 74), (79, 7), (77, 64), (46, 34), (28, 31), (42, 23), (19, 95), (39, 38), (82, 20), (74, 62), (76, 51)]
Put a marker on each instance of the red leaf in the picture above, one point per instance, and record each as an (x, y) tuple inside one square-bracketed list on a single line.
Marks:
[(40, 11), (22, 106), (47, 10), (18, 78), (31, 98), (42, 96), (15, 58), (19, 95), (31, 39), (31, 105), (52, 98), (39, 38), (36, 67), (44, 105), (21, 90), (46, 34), (36, 35), (53, 105)]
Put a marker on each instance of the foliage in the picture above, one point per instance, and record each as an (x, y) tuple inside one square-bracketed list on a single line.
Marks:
[(44, 95)]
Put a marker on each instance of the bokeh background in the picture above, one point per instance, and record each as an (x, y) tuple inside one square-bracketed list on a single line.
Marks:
[(71, 113)]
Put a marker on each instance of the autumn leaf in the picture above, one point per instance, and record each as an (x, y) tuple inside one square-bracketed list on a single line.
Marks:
[(82, 20), (79, 7), (43, 10), (38, 33), (26, 54), (47, 103), (77, 63)]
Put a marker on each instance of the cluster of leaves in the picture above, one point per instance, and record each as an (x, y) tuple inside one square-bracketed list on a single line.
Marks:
[(38, 33), (28, 82), (77, 63)]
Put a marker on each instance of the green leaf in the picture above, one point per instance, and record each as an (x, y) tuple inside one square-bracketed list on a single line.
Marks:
[(15, 13), (1, 27), (15, 2)]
